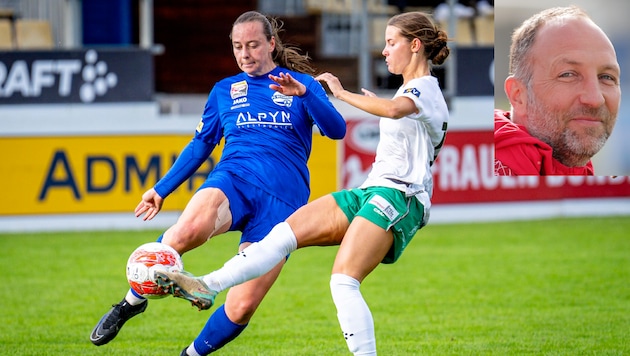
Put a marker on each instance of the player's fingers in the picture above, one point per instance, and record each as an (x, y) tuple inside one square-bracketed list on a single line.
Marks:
[(140, 209), (325, 76), (151, 214), (146, 212), (278, 79)]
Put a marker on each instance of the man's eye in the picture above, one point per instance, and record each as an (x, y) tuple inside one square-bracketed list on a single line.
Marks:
[(609, 77)]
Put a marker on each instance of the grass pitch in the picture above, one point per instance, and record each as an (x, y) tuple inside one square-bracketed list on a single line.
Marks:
[(549, 287)]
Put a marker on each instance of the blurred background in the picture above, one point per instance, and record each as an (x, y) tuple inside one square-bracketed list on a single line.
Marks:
[(611, 16)]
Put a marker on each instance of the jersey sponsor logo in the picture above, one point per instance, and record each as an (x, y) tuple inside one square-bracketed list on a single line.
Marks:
[(383, 207), (282, 100), (413, 91), (199, 126), (265, 119), (239, 103), (238, 89)]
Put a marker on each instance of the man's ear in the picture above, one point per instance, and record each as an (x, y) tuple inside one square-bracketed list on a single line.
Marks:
[(516, 94)]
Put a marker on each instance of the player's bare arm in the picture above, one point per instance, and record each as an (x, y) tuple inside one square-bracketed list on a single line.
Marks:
[(369, 102)]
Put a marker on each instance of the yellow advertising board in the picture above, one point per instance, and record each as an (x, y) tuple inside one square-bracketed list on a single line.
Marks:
[(105, 174)]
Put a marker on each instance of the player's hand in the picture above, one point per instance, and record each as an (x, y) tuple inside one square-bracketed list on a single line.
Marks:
[(150, 205), (287, 85), (333, 83)]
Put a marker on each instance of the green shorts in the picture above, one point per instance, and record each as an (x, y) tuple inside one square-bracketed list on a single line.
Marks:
[(388, 208)]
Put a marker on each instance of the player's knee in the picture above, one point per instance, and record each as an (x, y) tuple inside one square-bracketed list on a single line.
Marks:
[(184, 237), (241, 311)]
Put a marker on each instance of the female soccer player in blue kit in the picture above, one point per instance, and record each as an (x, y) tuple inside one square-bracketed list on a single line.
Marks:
[(375, 222), (261, 178)]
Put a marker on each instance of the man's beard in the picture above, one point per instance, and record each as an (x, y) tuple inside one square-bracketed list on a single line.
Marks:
[(571, 147)]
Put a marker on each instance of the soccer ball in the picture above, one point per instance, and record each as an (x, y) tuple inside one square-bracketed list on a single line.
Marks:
[(145, 261)]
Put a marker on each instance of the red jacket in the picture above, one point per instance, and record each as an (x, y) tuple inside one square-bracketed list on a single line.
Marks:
[(518, 153)]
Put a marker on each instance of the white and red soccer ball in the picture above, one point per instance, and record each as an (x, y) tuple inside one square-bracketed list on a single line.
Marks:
[(145, 261)]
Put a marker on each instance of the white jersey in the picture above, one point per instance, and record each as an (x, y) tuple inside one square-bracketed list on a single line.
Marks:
[(408, 146)]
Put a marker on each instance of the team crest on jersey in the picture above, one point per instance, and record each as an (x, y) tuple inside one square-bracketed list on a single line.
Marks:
[(282, 100), (238, 89), (413, 91)]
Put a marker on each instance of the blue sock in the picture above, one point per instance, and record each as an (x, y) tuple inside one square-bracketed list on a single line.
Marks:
[(219, 330), (136, 294), (159, 239)]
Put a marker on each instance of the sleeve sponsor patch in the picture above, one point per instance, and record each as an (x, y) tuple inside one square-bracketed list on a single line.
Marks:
[(413, 91), (384, 207)]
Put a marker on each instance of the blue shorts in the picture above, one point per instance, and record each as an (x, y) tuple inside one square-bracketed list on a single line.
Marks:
[(254, 211)]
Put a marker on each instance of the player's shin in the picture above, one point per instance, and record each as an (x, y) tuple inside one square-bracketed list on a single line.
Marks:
[(353, 314)]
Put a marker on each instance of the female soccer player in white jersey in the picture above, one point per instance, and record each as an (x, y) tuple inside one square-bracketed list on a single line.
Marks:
[(375, 222), (261, 178)]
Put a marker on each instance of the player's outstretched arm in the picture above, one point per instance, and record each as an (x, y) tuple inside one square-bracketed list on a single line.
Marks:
[(188, 161), (368, 101)]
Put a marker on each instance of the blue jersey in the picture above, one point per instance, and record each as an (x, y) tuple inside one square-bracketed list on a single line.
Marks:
[(268, 135)]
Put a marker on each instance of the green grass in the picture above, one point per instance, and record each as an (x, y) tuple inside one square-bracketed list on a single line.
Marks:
[(550, 287)]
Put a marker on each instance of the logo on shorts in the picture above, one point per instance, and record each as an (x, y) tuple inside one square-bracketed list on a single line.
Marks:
[(383, 207)]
